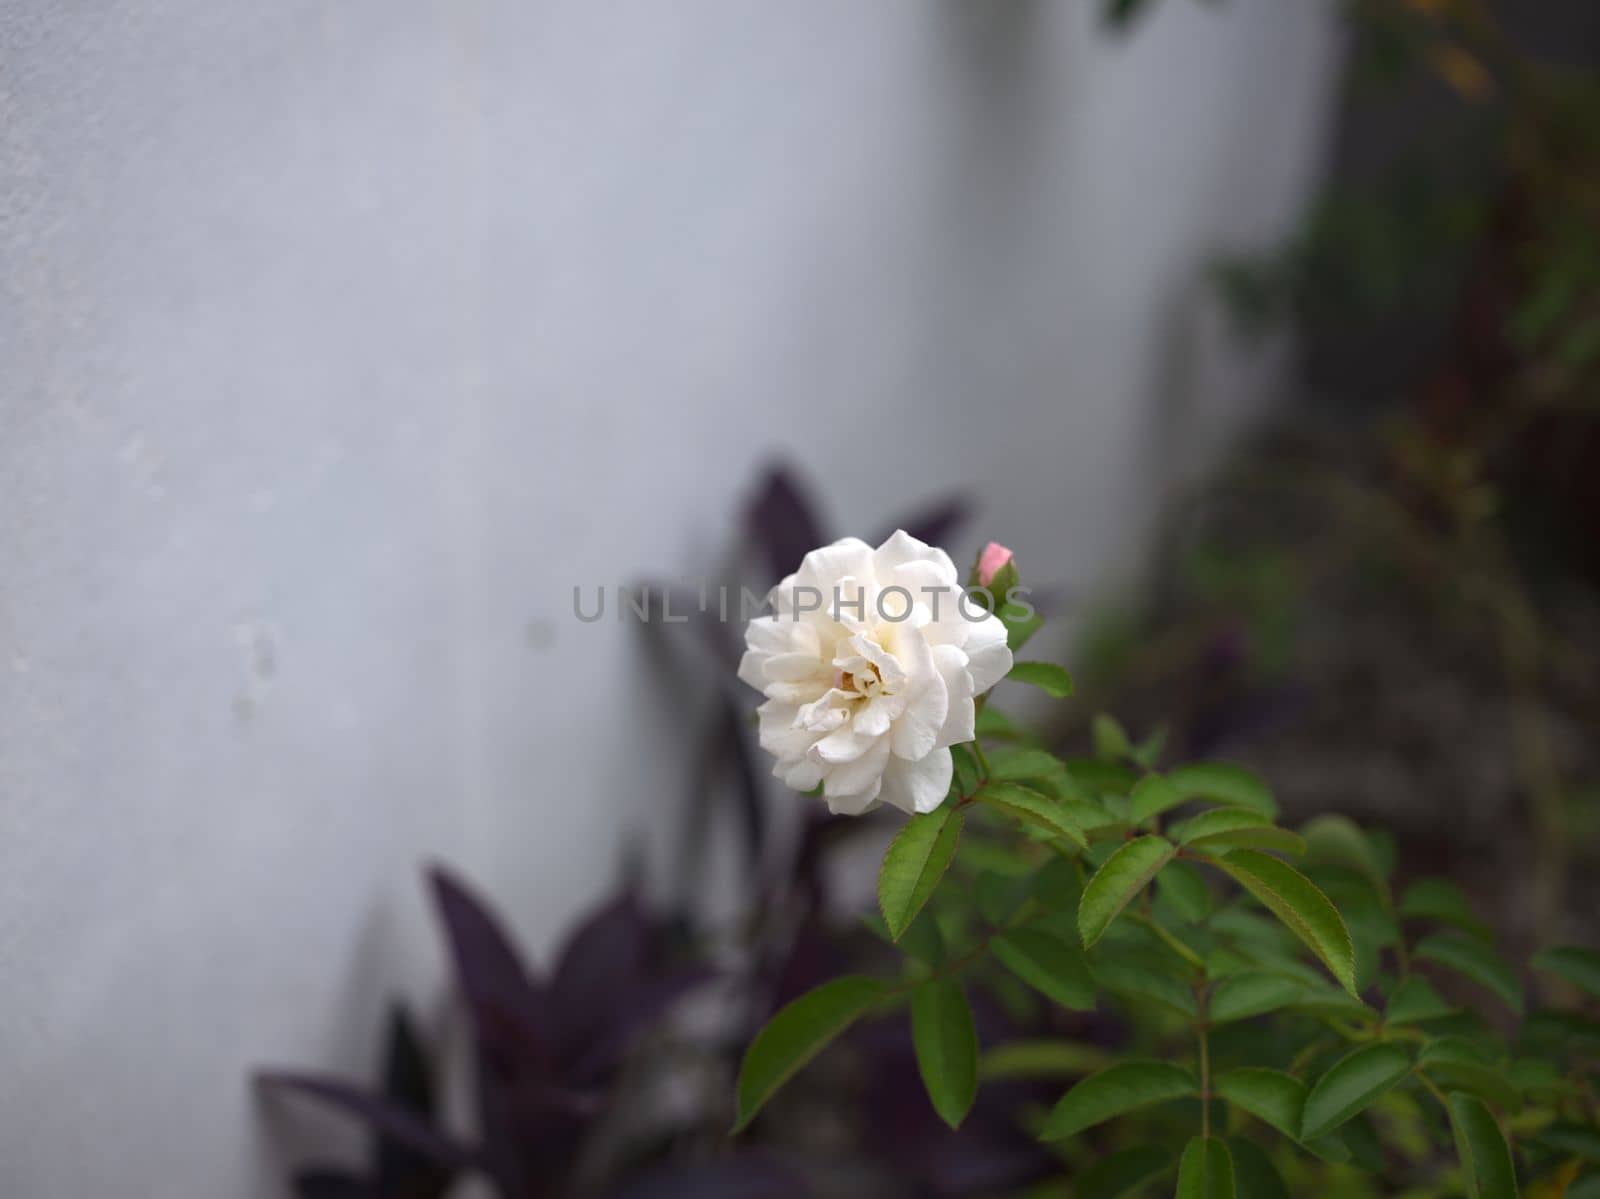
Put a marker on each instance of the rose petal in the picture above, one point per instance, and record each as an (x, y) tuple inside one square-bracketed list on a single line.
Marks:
[(988, 658), (919, 786)]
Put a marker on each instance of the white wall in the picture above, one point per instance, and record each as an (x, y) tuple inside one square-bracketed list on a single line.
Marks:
[(339, 340)]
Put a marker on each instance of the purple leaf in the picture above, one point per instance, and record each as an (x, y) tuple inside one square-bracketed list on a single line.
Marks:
[(632, 1013), (333, 1184), (738, 1178), (781, 522), (509, 1010), (512, 1025), (935, 524), (408, 1083), (387, 1119), (602, 961)]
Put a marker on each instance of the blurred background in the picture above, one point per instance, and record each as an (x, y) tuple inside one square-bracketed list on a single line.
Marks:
[(341, 343)]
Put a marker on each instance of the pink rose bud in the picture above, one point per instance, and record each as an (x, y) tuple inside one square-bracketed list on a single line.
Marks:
[(991, 562)]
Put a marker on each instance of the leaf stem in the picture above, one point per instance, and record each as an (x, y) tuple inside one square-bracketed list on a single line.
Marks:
[(1202, 1031)]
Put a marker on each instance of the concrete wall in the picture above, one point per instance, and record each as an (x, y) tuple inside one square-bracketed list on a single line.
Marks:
[(339, 341)]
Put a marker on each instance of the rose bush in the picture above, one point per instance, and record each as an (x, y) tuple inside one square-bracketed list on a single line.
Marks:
[(1292, 1021)]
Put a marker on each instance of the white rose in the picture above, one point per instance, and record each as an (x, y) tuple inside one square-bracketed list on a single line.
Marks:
[(866, 695)]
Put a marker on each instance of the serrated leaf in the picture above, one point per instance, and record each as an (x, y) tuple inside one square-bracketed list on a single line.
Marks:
[(1021, 622), (1349, 1085), (1119, 879), (1474, 960), (1111, 741), (1253, 993), (1225, 783), (1217, 821), (1034, 807), (1361, 1140), (1048, 964), (797, 1033), (1481, 1146), (1206, 1171), (1269, 838), (1183, 889), (1487, 1082), (1415, 1000), (1440, 899), (1304, 910), (1329, 1003), (1340, 842), (914, 863), (1151, 796), (1024, 765), (1115, 1091), (1148, 752), (1254, 1175), (1042, 1059), (1271, 1096), (1580, 967), (947, 1047), (1122, 1173), (1056, 884), (1053, 680), (1138, 982)]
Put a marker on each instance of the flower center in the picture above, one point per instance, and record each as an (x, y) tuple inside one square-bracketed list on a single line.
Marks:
[(865, 680)]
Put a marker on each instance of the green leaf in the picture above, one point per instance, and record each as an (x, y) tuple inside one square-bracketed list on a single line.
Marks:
[(1215, 822), (1276, 840), (1474, 960), (1122, 1173), (1360, 1139), (1138, 982), (1042, 1059), (1575, 1140), (1223, 782), (1295, 900), (1254, 1175), (1047, 676), (1481, 1146), (1271, 1096), (1349, 1085), (1183, 888), (1111, 742), (1100, 778), (1415, 1000), (1118, 880), (1580, 967), (914, 863), (947, 1047), (1440, 899), (1024, 765), (1047, 964), (1148, 752), (1034, 807), (1252, 993), (994, 725), (1151, 796), (799, 1031), (1021, 624), (1340, 842), (1114, 1091), (1487, 1082), (1056, 884), (1206, 1171)]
